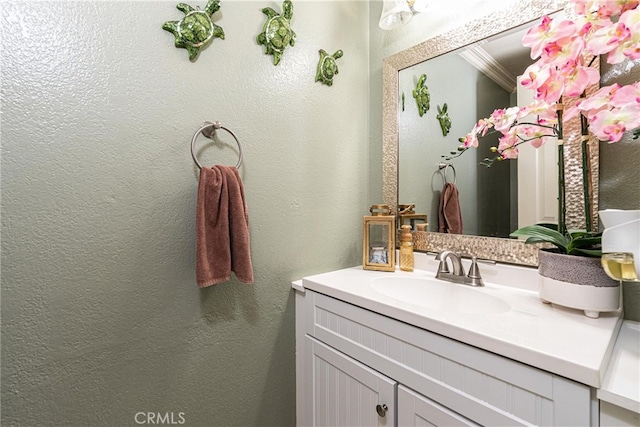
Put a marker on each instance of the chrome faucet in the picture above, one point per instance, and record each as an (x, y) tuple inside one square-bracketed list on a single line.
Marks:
[(472, 278)]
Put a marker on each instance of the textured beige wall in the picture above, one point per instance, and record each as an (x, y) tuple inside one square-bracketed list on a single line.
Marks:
[(101, 317)]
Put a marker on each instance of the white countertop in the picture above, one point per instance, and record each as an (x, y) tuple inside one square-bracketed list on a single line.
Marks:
[(621, 385), (556, 339)]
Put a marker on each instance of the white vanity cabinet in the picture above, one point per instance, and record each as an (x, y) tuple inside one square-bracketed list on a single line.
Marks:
[(346, 392), (349, 360)]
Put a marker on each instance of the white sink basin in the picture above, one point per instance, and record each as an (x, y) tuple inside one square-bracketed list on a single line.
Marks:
[(439, 295)]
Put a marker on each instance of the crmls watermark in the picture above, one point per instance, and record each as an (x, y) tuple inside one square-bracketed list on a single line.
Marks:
[(158, 418)]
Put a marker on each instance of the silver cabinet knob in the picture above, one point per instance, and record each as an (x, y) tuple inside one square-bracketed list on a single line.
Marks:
[(382, 410)]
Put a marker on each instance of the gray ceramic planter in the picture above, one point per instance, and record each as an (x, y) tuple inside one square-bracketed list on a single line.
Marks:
[(577, 282)]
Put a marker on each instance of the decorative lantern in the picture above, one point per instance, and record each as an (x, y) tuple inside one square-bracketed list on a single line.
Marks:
[(379, 239)]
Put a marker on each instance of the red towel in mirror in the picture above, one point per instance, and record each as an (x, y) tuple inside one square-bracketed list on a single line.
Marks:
[(449, 214), (222, 228)]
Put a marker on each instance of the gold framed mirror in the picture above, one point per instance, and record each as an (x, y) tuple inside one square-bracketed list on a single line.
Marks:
[(498, 249)]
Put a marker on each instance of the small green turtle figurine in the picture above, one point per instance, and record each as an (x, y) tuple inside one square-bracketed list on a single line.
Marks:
[(196, 29), (327, 67), (443, 118), (421, 94), (277, 33)]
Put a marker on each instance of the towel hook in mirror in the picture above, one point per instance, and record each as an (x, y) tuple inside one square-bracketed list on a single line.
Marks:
[(208, 129), (445, 166)]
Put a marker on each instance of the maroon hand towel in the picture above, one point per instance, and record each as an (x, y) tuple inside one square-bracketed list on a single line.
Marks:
[(222, 228), (449, 214)]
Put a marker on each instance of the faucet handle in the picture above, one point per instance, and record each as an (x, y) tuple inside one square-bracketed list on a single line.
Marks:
[(474, 273)]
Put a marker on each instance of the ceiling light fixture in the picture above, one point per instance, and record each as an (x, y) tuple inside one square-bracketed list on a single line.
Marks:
[(396, 13)]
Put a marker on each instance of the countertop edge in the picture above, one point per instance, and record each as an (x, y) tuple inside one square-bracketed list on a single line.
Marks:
[(565, 368), (298, 286), (620, 386), (590, 375)]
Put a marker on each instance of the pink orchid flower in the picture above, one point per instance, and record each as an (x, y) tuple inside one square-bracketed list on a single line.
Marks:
[(626, 95), (542, 114), (535, 135), (632, 51), (603, 8), (548, 31), (608, 38), (545, 80), (507, 146), (538, 108), (603, 27), (629, 5), (504, 119), (618, 7), (631, 18), (563, 50), (631, 47), (534, 76), (600, 99), (620, 40), (578, 77), (544, 121), (552, 88), (610, 125), (470, 140), (483, 126)]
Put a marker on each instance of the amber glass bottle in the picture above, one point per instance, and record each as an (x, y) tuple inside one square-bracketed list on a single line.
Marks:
[(406, 249)]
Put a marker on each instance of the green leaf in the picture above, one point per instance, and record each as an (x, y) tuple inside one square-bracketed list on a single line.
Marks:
[(576, 234), (585, 244), (588, 252), (536, 240), (577, 242), (587, 241), (549, 225), (538, 233)]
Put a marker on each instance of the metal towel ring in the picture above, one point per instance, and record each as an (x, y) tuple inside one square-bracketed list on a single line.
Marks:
[(444, 166), (204, 129)]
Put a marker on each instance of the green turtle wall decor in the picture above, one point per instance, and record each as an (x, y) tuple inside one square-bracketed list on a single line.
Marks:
[(196, 29), (421, 95), (327, 67), (443, 118), (277, 33)]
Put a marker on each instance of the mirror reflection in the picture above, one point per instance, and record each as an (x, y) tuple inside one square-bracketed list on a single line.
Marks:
[(460, 87), (494, 248)]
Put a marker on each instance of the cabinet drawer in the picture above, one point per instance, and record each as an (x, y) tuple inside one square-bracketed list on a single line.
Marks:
[(479, 385), (416, 410)]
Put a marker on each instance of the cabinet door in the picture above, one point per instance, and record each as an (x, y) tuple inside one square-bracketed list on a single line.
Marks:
[(418, 411), (345, 392)]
